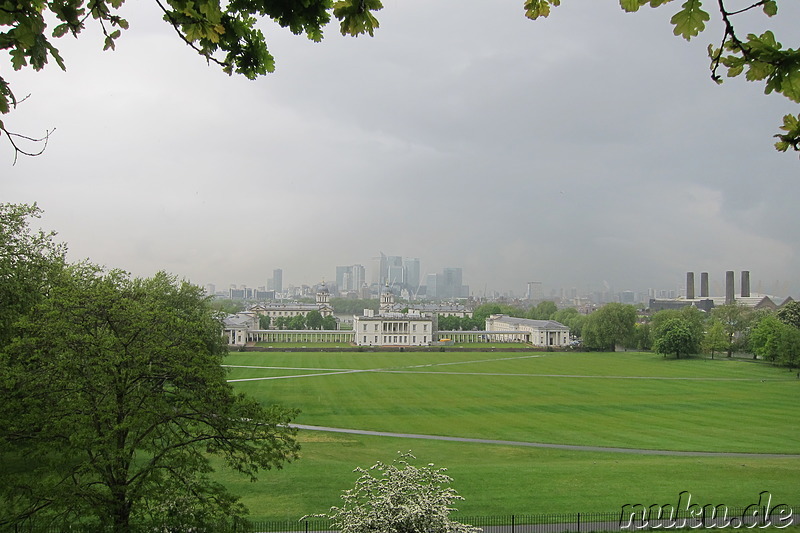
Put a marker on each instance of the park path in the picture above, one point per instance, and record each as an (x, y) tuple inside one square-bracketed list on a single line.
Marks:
[(572, 447)]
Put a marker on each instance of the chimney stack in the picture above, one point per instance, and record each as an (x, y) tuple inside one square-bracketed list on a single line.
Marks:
[(745, 284), (703, 284), (729, 289), (690, 285)]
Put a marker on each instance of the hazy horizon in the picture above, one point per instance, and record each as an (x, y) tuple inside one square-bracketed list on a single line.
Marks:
[(584, 150)]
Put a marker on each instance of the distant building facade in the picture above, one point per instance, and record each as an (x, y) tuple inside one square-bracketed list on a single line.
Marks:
[(274, 310), (541, 333)]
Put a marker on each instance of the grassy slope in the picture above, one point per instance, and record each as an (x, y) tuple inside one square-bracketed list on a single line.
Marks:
[(713, 413)]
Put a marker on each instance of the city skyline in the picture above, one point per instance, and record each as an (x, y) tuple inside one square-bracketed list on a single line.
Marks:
[(584, 150)]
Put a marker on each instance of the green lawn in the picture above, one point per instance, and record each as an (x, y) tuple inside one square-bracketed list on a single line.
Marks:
[(626, 400)]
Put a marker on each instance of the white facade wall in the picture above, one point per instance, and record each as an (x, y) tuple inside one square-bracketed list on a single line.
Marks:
[(541, 333), (396, 329)]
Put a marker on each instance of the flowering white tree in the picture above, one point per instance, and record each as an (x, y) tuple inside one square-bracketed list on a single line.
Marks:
[(399, 498)]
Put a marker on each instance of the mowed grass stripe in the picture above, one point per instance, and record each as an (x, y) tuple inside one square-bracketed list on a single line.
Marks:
[(505, 480), (747, 416)]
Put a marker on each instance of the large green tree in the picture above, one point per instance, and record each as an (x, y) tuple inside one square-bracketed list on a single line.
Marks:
[(693, 318), (776, 341), (674, 336), (761, 57), (314, 319), (114, 402), (610, 326), (735, 318)]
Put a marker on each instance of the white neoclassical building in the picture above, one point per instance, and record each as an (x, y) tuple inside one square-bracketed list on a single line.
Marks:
[(393, 329), (542, 333), (388, 327), (236, 327)]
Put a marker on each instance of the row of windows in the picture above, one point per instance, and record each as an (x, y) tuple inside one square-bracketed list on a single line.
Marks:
[(395, 339), (397, 326)]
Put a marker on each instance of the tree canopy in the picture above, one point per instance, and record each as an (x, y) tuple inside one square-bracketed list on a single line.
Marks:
[(674, 336), (115, 399), (609, 326), (227, 35)]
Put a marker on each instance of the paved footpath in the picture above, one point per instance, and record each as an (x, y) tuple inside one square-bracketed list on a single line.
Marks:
[(572, 447)]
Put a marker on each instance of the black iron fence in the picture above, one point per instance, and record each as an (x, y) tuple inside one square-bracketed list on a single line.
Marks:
[(630, 518)]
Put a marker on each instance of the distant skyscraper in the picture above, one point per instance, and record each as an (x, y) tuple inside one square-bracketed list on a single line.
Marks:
[(432, 285), (395, 275), (534, 291), (359, 276), (412, 273), (344, 278), (277, 280), (451, 283)]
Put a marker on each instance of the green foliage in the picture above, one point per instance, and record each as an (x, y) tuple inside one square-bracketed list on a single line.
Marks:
[(399, 498), (674, 336), (715, 339), (609, 326), (28, 262), (114, 401), (456, 323), (761, 56), (314, 319), (690, 316), (353, 306), (297, 322), (571, 318), (329, 323), (482, 312), (774, 340), (790, 314), (735, 319), (543, 311), (227, 306), (263, 321)]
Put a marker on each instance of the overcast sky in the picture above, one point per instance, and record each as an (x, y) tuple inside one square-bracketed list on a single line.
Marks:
[(585, 149)]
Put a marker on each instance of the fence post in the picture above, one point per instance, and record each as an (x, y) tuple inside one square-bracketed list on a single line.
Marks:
[(579, 522), (512, 523)]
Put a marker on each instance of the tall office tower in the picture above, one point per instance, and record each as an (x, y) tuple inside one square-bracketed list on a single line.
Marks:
[(432, 285), (344, 278), (534, 291), (380, 267), (277, 280), (358, 277), (690, 285), (451, 286), (411, 267), (395, 275)]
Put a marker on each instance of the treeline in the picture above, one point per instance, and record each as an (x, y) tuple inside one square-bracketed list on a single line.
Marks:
[(348, 306), (770, 335), (312, 320)]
